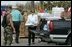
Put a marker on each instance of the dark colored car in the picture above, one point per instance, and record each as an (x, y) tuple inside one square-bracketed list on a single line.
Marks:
[(59, 32)]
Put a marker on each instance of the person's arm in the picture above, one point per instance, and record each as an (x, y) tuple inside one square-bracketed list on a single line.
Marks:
[(62, 15), (21, 17), (10, 18)]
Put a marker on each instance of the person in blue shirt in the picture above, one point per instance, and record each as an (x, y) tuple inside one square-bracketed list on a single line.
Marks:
[(16, 18)]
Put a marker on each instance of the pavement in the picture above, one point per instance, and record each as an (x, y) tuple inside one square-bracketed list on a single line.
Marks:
[(24, 41)]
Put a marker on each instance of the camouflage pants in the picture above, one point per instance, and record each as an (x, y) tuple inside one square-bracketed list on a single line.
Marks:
[(8, 37)]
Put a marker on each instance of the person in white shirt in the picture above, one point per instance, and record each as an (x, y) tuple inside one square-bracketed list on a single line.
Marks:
[(32, 23)]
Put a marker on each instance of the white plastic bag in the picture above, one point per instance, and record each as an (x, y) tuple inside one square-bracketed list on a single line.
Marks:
[(45, 27)]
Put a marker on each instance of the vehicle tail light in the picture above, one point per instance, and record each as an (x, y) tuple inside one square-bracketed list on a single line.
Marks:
[(51, 26)]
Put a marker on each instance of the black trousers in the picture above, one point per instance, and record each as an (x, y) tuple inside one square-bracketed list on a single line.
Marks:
[(31, 34), (17, 25)]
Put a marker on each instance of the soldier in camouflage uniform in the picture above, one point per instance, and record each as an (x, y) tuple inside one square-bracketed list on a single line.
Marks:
[(8, 37), (8, 29)]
